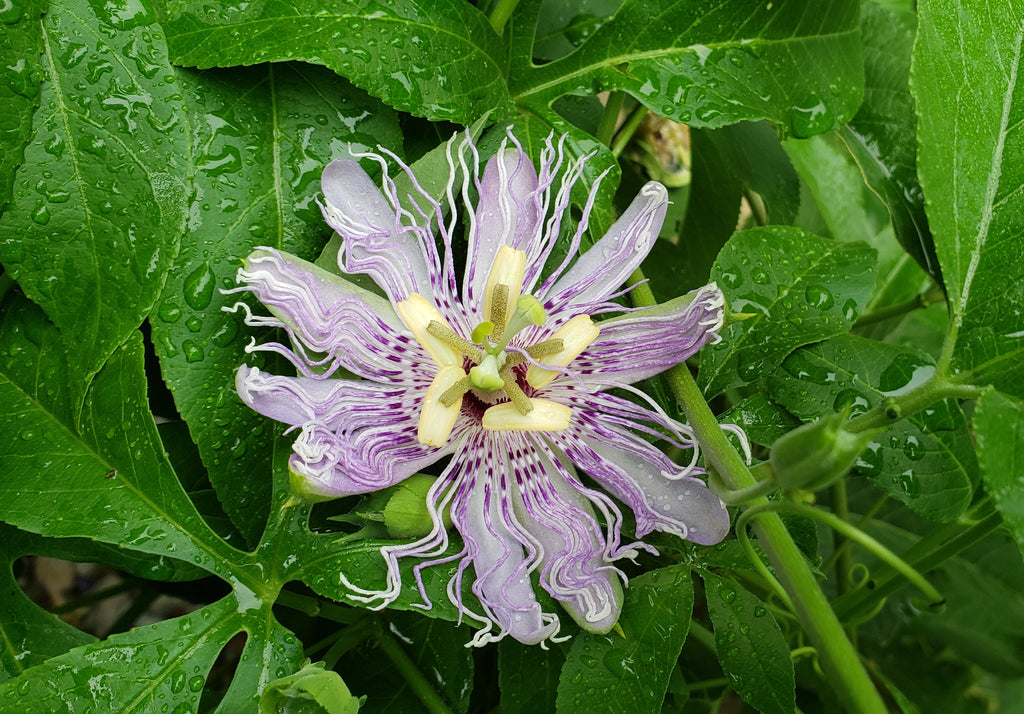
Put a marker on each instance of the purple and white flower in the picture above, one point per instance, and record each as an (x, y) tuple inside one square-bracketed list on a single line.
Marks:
[(506, 375)]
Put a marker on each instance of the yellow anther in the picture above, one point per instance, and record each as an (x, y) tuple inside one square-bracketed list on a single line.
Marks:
[(436, 419), (576, 335), (508, 269), (417, 314), (544, 416)]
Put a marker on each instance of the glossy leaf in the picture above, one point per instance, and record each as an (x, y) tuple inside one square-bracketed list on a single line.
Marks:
[(440, 61), (763, 420), (528, 677), (967, 85), (28, 634), (927, 461), (750, 646), (609, 672), (141, 670), (798, 288), (99, 204), (20, 46), (999, 428), (436, 648), (712, 65), (256, 186), (880, 136), (110, 481)]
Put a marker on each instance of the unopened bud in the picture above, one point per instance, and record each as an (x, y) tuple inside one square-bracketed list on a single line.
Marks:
[(817, 454), (312, 688), (406, 514)]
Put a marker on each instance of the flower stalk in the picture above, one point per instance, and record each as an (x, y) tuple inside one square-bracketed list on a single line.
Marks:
[(837, 656)]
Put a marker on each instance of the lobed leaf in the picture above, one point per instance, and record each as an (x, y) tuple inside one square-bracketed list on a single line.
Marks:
[(261, 137), (28, 634), (20, 46), (439, 60), (99, 203), (798, 288), (712, 65), (110, 480)]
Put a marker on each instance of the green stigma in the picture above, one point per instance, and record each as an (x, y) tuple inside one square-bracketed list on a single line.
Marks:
[(485, 375)]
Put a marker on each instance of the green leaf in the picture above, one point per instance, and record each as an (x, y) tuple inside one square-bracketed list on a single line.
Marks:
[(752, 151), (111, 480), (762, 420), (439, 61), (835, 184), (20, 46), (262, 136), (799, 288), (999, 428), (28, 634), (926, 461), (880, 136), (563, 24), (615, 673), (100, 202), (436, 648), (750, 646), (528, 676), (712, 65), (971, 164), (151, 666)]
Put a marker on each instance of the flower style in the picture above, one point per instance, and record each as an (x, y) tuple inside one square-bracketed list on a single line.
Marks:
[(507, 376)]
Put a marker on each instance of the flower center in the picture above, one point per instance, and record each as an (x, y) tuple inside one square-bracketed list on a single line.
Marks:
[(492, 374)]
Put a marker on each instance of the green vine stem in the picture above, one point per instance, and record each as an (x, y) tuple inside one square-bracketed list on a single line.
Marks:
[(629, 128), (849, 532), (837, 656), (928, 297), (932, 550), (501, 13), (610, 117), (412, 675)]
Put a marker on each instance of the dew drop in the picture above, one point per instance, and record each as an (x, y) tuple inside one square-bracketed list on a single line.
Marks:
[(818, 297), (193, 351), (199, 287), (41, 215), (169, 312)]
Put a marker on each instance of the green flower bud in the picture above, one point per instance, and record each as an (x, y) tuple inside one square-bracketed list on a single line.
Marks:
[(816, 454), (311, 690), (406, 514)]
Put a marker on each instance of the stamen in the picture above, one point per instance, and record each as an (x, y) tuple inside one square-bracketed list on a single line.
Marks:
[(499, 308), (547, 347), (508, 269), (448, 336), (456, 391), (545, 416), (417, 314), (514, 392), (576, 335), (437, 419)]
